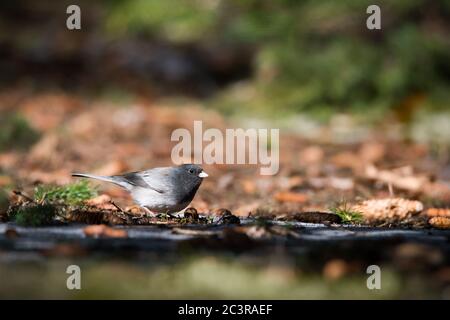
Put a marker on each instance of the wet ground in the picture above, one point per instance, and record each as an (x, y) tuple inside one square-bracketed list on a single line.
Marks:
[(294, 236), (251, 260)]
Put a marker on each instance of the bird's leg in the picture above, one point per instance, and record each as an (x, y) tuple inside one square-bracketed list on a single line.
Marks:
[(121, 212)]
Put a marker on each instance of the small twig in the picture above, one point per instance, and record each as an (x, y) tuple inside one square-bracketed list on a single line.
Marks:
[(117, 207), (391, 190), (21, 194)]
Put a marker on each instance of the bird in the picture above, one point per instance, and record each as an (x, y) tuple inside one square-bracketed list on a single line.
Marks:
[(159, 190)]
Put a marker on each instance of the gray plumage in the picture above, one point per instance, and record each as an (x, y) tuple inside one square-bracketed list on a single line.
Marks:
[(164, 190)]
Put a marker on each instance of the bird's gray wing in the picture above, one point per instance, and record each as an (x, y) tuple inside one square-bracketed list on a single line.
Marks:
[(158, 179), (136, 179)]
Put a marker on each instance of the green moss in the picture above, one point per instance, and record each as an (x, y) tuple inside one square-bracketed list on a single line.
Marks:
[(74, 193), (35, 215), (16, 133), (346, 214)]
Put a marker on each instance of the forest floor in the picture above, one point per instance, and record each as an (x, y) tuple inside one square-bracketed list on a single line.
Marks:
[(345, 198)]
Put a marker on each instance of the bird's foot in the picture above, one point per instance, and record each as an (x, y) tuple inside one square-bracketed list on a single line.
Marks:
[(166, 215)]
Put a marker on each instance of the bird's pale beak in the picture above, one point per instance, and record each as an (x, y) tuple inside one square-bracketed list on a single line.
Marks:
[(203, 174)]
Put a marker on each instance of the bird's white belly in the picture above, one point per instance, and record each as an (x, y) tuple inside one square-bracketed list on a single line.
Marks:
[(157, 202)]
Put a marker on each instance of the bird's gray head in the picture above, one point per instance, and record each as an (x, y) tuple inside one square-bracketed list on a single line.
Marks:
[(193, 170), (188, 179)]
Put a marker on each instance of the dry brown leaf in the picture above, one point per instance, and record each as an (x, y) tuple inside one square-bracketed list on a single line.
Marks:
[(291, 197), (439, 190), (347, 159), (294, 181), (8, 159), (391, 209), (401, 178), (134, 210), (311, 155), (5, 181), (47, 111), (115, 192), (102, 202), (102, 230), (438, 212), (249, 186), (44, 149), (101, 199), (372, 152), (332, 182), (440, 222)]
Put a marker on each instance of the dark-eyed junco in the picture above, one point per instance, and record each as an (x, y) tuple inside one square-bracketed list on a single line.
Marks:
[(159, 190)]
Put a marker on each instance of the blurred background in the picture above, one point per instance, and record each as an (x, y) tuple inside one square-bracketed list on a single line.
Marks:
[(268, 56), (106, 98)]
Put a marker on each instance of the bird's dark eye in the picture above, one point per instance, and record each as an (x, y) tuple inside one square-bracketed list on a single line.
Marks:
[(191, 170)]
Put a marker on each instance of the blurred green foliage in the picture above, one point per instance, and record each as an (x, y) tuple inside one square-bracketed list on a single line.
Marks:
[(74, 193), (16, 133), (312, 55), (199, 276)]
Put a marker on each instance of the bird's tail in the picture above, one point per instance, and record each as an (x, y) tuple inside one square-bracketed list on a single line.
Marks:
[(111, 179)]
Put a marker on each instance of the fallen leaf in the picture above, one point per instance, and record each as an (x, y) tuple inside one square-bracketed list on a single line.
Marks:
[(291, 197), (102, 202), (101, 199), (5, 181), (372, 152), (438, 212), (401, 178), (347, 159), (311, 155), (391, 209), (102, 230), (46, 111), (134, 210), (44, 149), (440, 222), (437, 189), (332, 182), (249, 186), (8, 159)]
